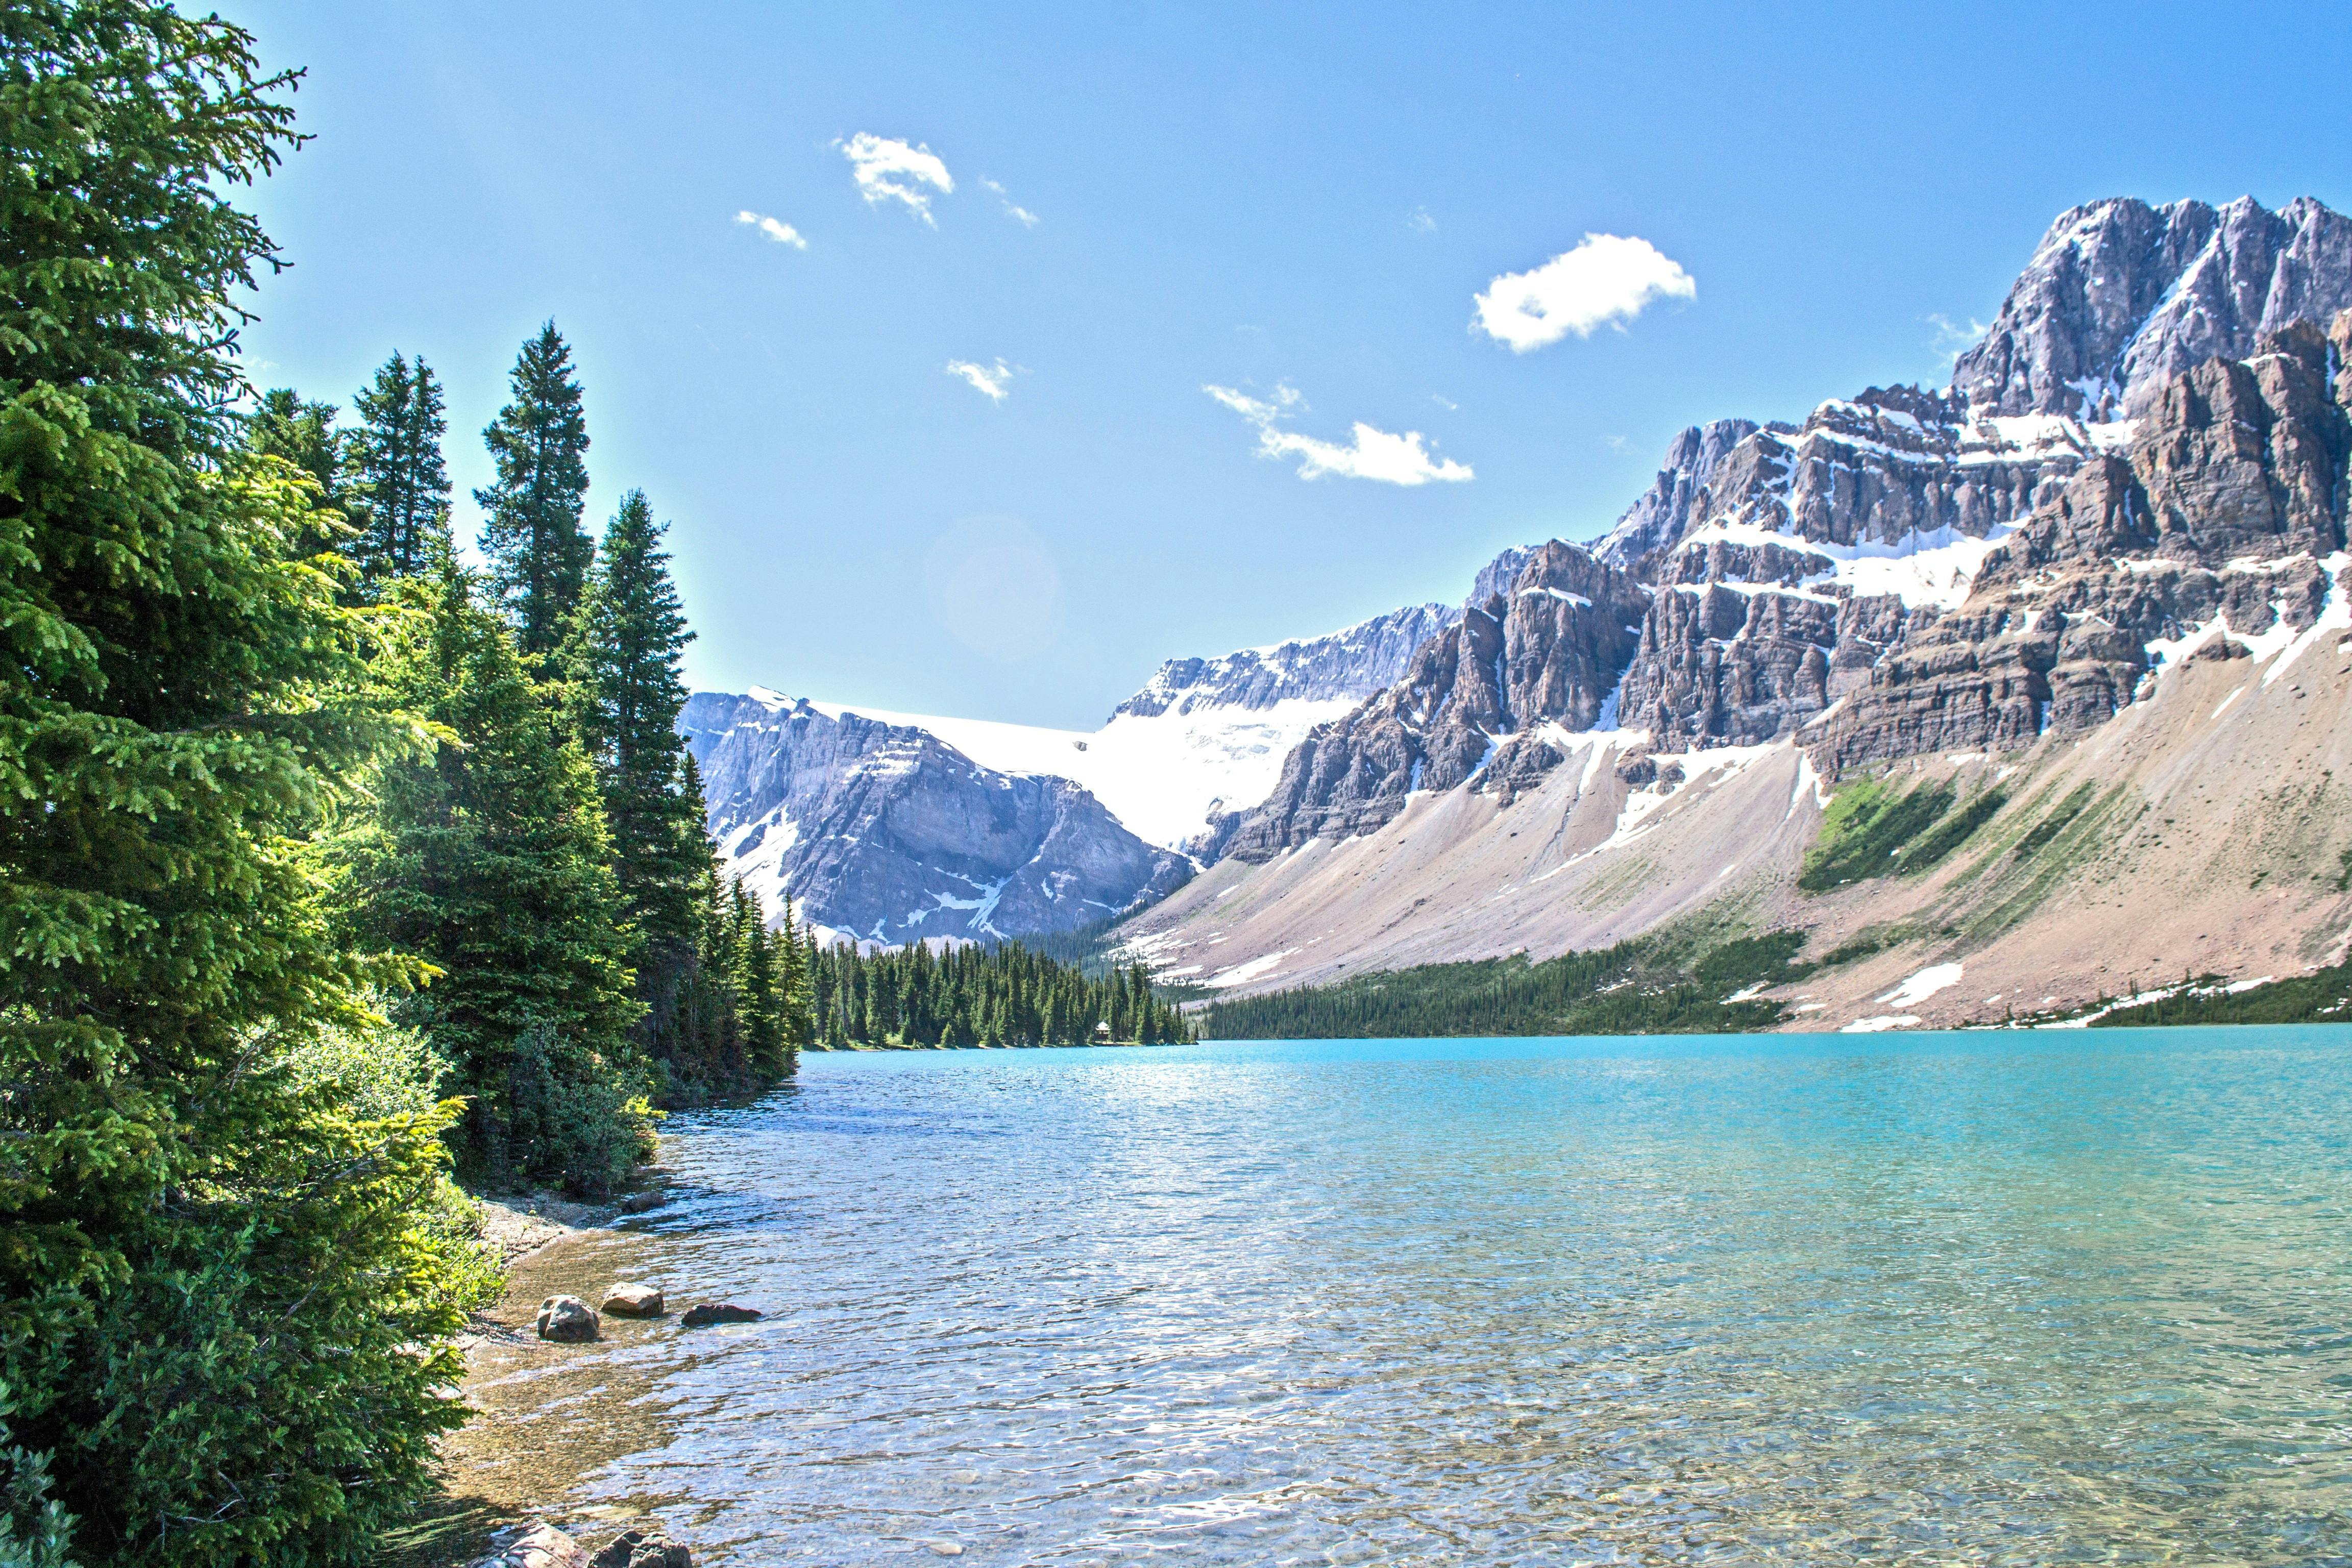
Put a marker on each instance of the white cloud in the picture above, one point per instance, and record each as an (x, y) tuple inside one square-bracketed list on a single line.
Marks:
[(991, 380), (1026, 218), (1608, 279), (1446, 402), (889, 170), (1420, 222), (776, 229), (1953, 340), (1370, 454)]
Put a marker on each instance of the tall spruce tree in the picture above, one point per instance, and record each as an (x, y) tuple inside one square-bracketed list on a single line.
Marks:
[(531, 526), (490, 861), (399, 486), (215, 1320), (630, 635), (304, 434)]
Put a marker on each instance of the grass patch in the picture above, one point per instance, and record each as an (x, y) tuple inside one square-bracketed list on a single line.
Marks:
[(1872, 830), (1648, 985), (2051, 825)]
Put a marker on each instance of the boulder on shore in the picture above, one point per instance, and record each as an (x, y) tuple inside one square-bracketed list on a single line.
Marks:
[(628, 1300), (567, 1321), (635, 1548), (706, 1312), (543, 1546)]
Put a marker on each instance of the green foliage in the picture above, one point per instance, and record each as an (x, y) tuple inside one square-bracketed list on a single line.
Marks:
[(399, 499), (2323, 996), (531, 526), (490, 860), (1872, 830), (2051, 825), (625, 653), (1638, 987), (36, 1532), (972, 996), (304, 435), (217, 1322)]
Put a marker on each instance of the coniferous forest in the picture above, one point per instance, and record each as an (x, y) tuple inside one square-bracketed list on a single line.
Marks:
[(1000, 995), (333, 871)]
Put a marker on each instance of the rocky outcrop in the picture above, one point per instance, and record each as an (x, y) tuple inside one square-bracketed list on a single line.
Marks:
[(1548, 652), (888, 833), (1679, 498), (2121, 299), (2218, 521), (1353, 664)]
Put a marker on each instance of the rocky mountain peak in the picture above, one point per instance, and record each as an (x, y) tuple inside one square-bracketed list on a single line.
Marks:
[(2120, 296)]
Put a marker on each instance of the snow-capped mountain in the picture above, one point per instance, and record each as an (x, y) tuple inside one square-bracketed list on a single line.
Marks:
[(887, 833), (2029, 588), (855, 812)]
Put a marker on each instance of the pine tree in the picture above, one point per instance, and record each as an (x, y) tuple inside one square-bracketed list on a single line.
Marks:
[(531, 527), (399, 487), (490, 861), (630, 635), (221, 1335), (304, 435)]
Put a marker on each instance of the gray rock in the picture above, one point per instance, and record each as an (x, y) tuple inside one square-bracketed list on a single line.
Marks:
[(630, 1301), (567, 1319), (2121, 298), (541, 1546), (703, 1313), (638, 1549), (891, 834), (1549, 651)]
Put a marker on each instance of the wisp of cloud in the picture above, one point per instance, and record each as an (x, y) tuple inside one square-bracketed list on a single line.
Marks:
[(1369, 453), (992, 381), (1608, 279), (776, 229), (887, 169)]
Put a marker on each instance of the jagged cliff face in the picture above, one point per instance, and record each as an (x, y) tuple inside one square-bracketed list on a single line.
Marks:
[(885, 832), (1544, 653), (2012, 561), (2218, 529), (2120, 298)]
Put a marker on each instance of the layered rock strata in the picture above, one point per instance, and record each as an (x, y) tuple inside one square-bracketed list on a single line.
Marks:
[(1547, 651)]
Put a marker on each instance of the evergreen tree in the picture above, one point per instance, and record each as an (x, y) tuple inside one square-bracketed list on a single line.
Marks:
[(399, 498), (531, 527), (304, 434), (223, 1339), (630, 635), (490, 861)]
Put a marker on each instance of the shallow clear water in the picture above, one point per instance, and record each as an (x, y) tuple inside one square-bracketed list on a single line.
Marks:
[(2001, 1299)]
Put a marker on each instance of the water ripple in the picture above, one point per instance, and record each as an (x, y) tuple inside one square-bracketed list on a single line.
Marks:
[(1947, 1300)]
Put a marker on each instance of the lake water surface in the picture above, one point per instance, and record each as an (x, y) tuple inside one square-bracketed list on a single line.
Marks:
[(1945, 1298)]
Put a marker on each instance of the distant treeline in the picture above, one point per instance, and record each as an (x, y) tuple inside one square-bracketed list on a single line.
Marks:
[(1002, 996), (2323, 996), (1648, 985)]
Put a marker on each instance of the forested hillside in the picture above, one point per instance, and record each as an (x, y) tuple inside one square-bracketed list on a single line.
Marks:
[(329, 867), (1002, 996)]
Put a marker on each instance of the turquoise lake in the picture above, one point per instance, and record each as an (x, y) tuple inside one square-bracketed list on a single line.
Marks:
[(2062, 1296)]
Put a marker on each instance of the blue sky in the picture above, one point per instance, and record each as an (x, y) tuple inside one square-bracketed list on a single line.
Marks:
[(1300, 204)]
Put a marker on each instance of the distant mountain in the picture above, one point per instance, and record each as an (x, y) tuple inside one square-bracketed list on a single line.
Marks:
[(858, 813), (1994, 593), (886, 833)]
